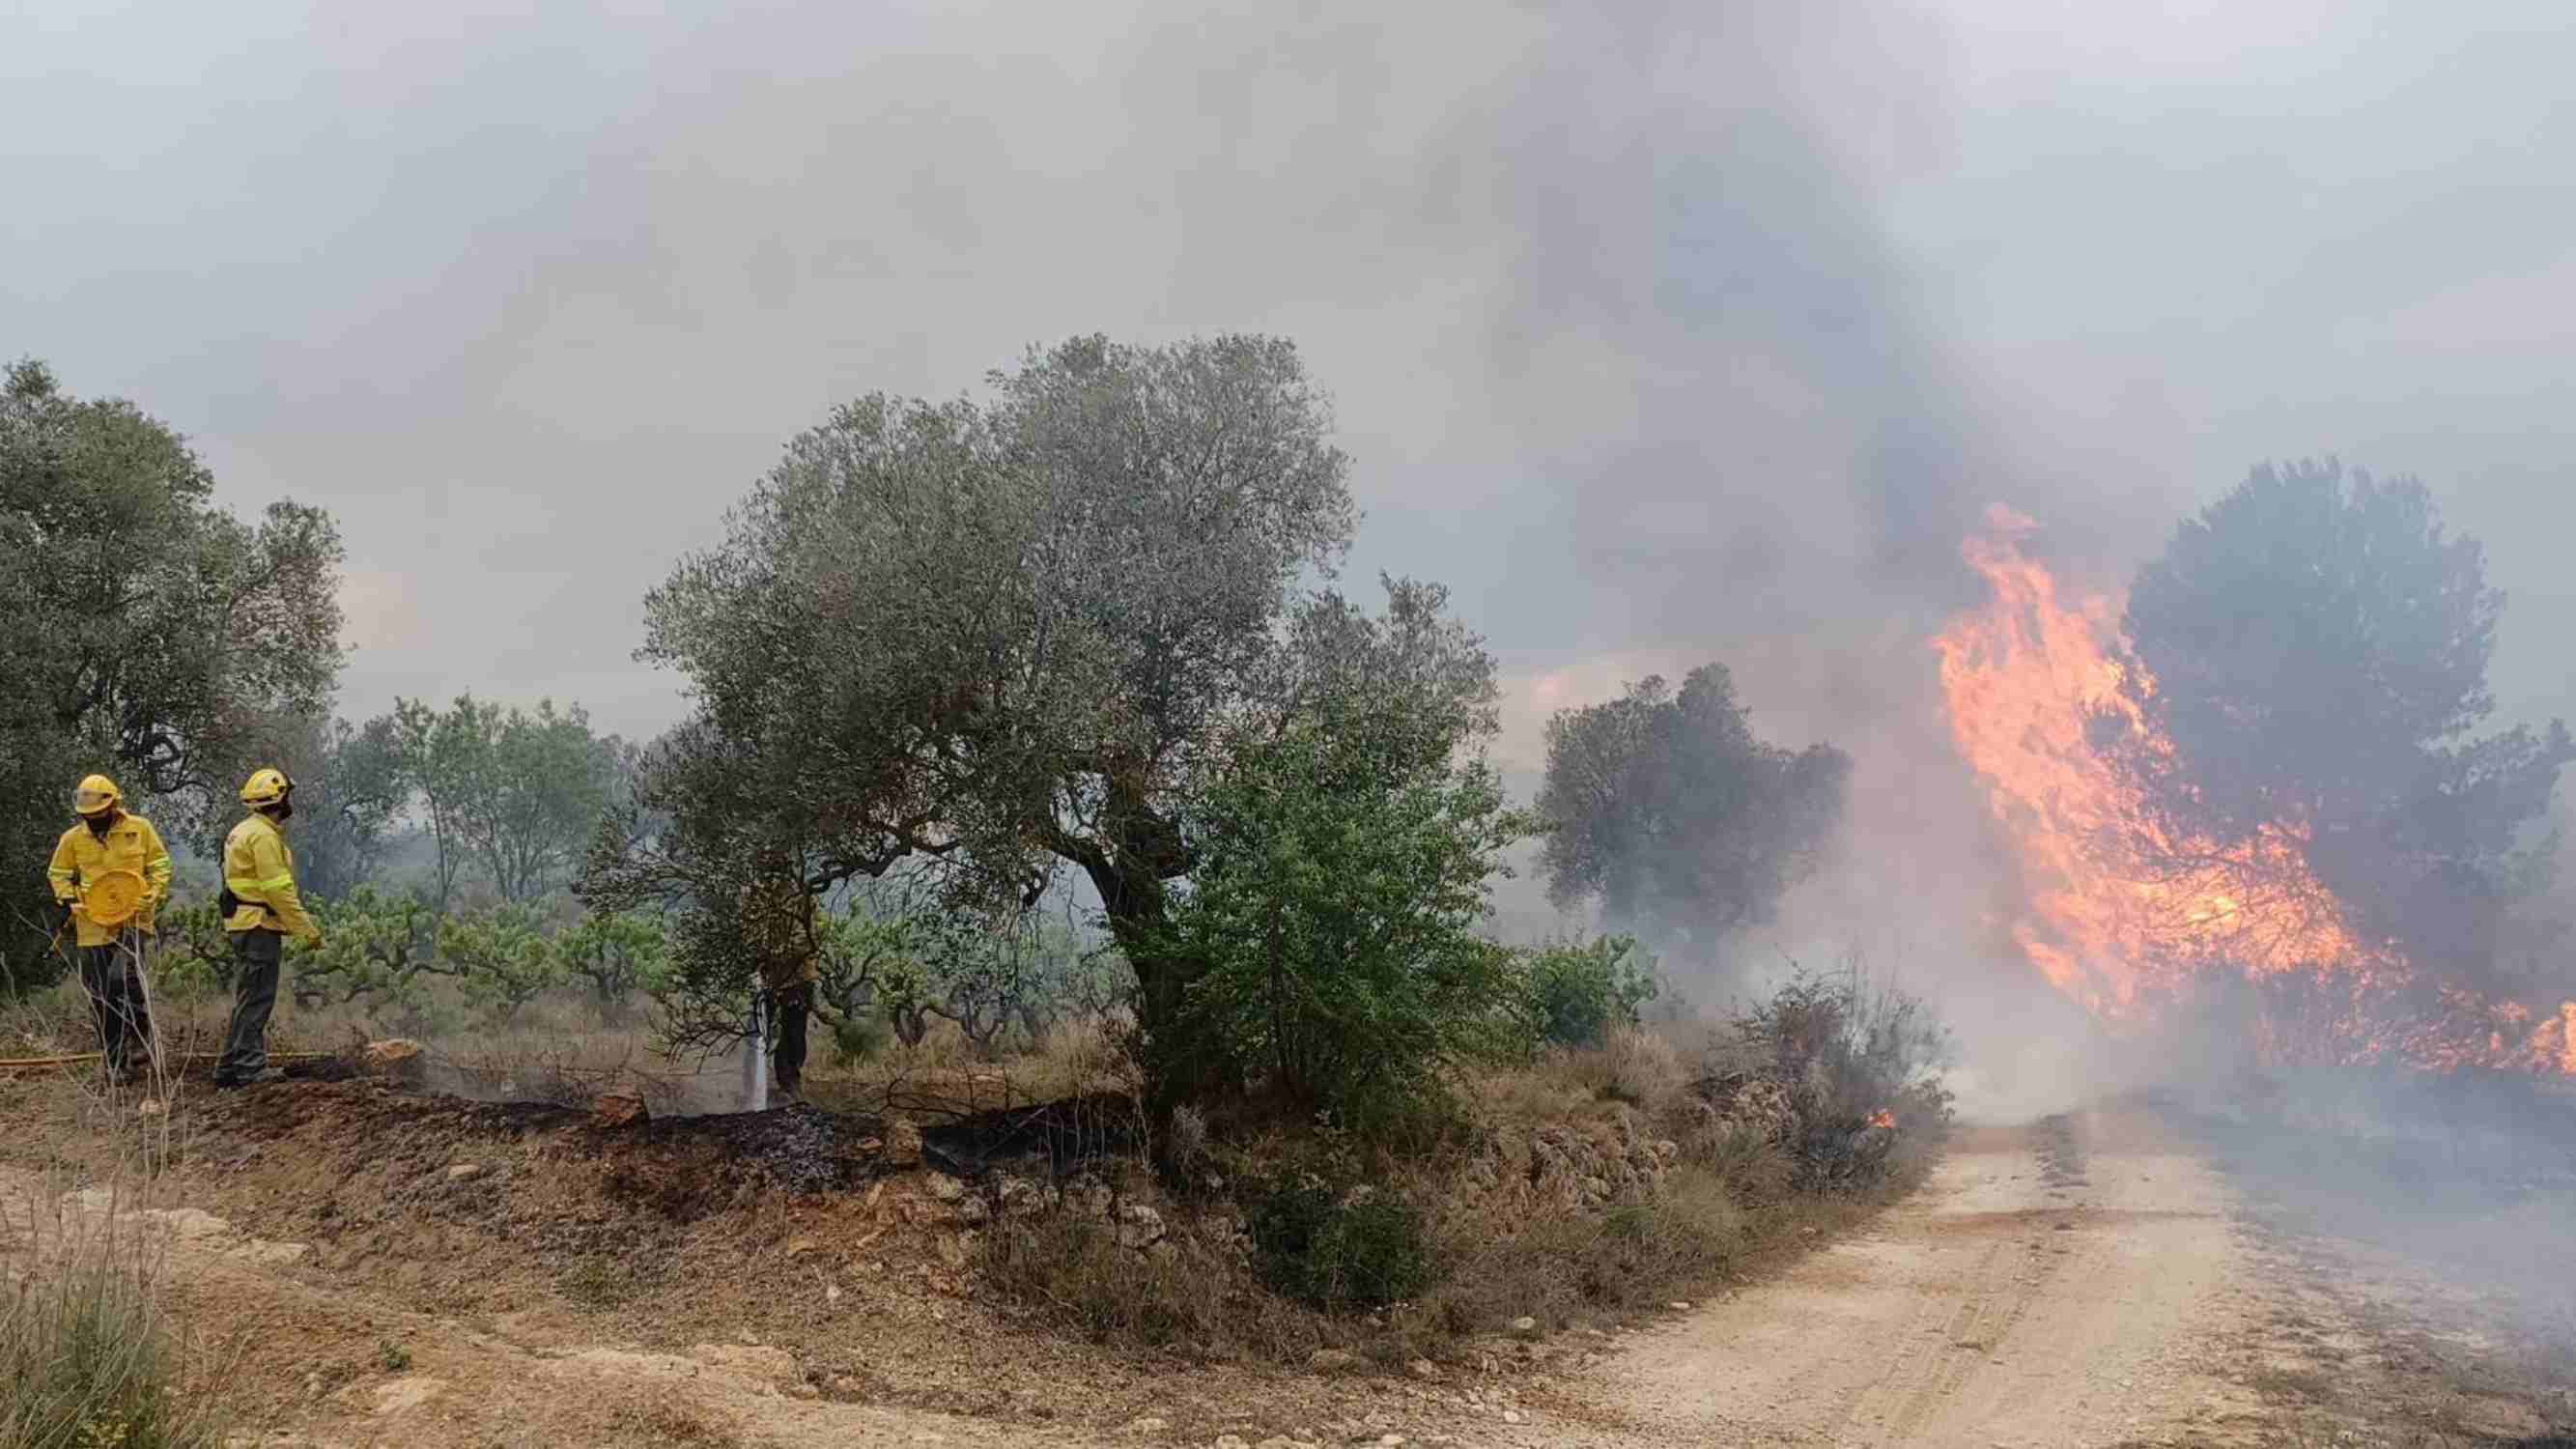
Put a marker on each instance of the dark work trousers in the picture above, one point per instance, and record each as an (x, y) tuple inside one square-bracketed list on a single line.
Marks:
[(789, 1006), (115, 985), (255, 956)]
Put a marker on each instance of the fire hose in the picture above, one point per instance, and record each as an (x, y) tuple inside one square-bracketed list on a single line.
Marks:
[(13, 1066)]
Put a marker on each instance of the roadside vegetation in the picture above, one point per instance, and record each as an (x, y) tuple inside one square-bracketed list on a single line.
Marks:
[(1104, 788)]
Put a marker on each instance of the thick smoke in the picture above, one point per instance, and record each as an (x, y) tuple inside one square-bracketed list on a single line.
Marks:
[(1760, 451)]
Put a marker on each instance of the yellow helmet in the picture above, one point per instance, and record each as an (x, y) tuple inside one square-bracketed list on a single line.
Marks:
[(96, 796), (266, 787)]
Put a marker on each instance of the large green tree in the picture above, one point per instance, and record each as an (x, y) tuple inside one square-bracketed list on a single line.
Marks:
[(348, 798), (1012, 635), (2313, 648), (510, 793), (152, 634), (1668, 810)]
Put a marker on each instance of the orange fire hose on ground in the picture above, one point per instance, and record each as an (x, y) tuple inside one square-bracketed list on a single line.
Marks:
[(12, 1066)]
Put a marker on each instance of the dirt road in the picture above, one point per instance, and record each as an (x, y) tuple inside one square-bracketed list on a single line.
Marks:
[(2072, 1283), (2086, 1280)]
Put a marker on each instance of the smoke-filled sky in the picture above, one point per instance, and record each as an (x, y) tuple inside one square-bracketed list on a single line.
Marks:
[(1662, 331)]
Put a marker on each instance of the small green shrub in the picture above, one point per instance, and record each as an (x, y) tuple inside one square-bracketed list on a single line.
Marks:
[(858, 1039), (1579, 992), (1337, 1251), (393, 1358), (1343, 877)]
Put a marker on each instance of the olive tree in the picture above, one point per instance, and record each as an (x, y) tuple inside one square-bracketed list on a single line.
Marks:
[(1010, 636), (1675, 816)]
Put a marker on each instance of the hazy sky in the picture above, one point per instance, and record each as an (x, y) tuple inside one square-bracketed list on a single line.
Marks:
[(1699, 332)]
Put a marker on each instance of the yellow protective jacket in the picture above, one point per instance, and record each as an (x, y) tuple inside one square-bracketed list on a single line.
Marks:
[(260, 870), (130, 844), (778, 917)]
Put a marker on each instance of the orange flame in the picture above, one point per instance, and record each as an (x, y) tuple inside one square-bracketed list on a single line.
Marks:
[(2122, 913)]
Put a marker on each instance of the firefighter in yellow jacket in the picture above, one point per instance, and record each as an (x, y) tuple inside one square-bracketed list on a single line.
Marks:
[(110, 841), (778, 920), (261, 909)]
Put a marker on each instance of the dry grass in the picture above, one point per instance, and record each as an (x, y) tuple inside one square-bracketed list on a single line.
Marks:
[(89, 1357), (669, 1420), (944, 1071), (1189, 1295), (1632, 1065)]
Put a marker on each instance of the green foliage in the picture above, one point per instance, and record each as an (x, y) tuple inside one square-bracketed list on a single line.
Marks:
[(512, 794), (1668, 810), (392, 1357), (375, 946), (502, 958), (151, 634), (871, 965), (901, 965), (1343, 870), (1578, 991), (2312, 650), (857, 1039), (1012, 635), (621, 956), (349, 797), (1339, 1250), (195, 954)]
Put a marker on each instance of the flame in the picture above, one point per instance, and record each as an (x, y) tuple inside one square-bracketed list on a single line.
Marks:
[(2121, 913), (1883, 1118)]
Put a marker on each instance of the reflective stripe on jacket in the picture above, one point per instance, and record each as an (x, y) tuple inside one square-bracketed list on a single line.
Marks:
[(260, 869), (80, 857)]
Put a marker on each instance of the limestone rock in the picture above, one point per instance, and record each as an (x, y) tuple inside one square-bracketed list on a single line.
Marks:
[(406, 1393), (1139, 1226), (619, 1110), (397, 1060)]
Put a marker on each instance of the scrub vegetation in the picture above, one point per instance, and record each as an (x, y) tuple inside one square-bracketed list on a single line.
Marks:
[(1104, 786)]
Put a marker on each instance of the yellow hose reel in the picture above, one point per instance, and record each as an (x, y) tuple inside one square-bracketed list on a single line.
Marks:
[(113, 898)]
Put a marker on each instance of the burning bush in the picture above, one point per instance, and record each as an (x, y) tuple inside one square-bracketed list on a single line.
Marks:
[(1861, 1067)]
